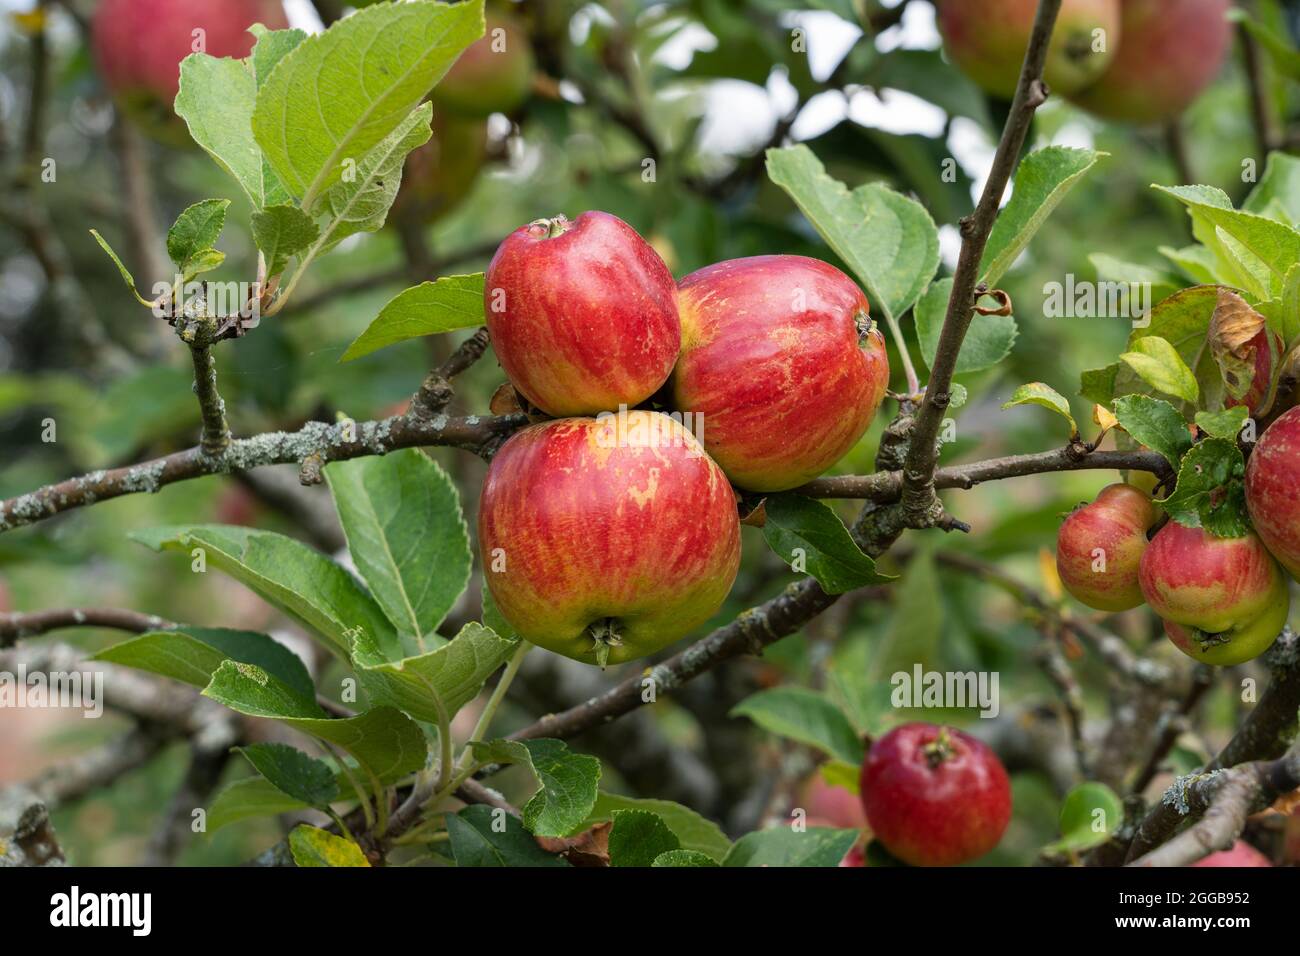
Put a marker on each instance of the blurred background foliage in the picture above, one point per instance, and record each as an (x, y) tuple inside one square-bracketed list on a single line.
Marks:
[(701, 87)]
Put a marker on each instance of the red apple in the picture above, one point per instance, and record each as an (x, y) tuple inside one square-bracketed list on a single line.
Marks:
[(439, 175), (835, 806), (935, 796), (139, 45), (493, 75), (582, 314), (607, 539), (987, 41), (1169, 52), (1240, 853), (1099, 547), (780, 359), (1263, 353), (1272, 481), (1224, 600)]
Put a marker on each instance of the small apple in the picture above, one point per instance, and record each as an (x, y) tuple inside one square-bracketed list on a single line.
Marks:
[(582, 314), (1223, 600), (1099, 547), (438, 176), (835, 806), (988, 40), (1240, 853), (935, 796), (781, 360), (493, 75), (1272, 480), (1169, 52), (139, 45), (607, 539)]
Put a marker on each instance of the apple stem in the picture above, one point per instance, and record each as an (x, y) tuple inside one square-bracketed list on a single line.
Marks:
[(863, 321), (555, 226), (605, 636), (939, 749)]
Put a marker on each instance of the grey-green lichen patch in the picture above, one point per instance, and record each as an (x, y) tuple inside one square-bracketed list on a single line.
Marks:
[(145, 479)]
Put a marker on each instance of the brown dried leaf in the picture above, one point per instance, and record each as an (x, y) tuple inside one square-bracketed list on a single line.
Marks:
[(589, 848), (505, 401), (1233, 326)]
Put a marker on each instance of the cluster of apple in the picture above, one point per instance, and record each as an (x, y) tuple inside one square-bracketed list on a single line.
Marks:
[(1139, 61), (931, 796), (612, 530), (1223, 600)]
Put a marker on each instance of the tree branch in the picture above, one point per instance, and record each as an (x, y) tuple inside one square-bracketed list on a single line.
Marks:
[(920, 504), (15, 626), (212, 408)]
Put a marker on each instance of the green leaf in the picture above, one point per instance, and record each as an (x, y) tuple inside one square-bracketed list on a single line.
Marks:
[(444, 305), (482, 836), (568, 782), (1043, 179), (205, 260), (1280, 183), (1090, 813), (271, 47), (1127, 274), (1273, 244), (684, 858), (196, 230), (696, 833), (1156, 424), (312, 846), (809, 537), (1036, 393), (385, 742), (1182, 320), (193, 654), (1210, 493), (1197, 262), (1283, 313), (1160, 366), (359, 202), (838, 773), (401, 515), (281, 232), (121, 268), (288, 574), (988, 340), (1097, 385), (248, 798), (805, 716), (1225, 424), (638, 837), (492, 616), (889, 241), (439, 682), (339, 94), (784, 846), (294, 773), (216, 101)]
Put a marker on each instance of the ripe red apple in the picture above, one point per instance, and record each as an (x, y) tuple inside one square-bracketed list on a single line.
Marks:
[(1224, 600), (1240, 853), (780, 358), (607, 538), (1099, 547), (493, 75), (439, 175), (935, 796), (987, 41), (139, 45), (1169, 52), (1272, 480), (582, 314)]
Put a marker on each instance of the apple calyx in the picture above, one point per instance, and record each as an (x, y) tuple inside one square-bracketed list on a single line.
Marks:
[(550, 228), (864, 324), (939, 749), (1208, 640), (604, 636)]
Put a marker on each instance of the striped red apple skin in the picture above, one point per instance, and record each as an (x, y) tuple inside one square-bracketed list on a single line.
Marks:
[(593, 525), (582, 314), (1116, 525), (778, 359), (1273, 489), (1227, 587)]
